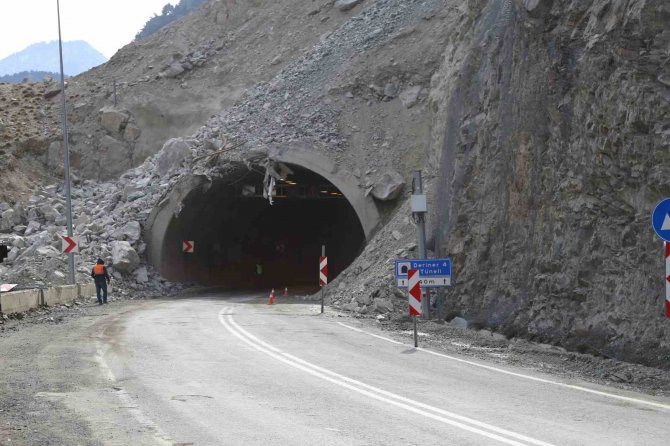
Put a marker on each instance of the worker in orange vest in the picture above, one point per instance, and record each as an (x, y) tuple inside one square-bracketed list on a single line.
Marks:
[(101, 277)]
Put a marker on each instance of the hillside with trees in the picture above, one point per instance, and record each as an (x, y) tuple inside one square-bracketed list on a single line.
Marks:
[(168, 15), (28, 76)]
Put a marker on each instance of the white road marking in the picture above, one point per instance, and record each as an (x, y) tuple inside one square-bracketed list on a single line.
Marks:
[(518, 375), (416, 407)]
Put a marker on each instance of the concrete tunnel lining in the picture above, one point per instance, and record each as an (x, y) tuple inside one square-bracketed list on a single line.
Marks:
[(158, 224)]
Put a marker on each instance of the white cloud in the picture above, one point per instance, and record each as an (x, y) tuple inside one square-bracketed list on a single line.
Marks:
[(105, 25)]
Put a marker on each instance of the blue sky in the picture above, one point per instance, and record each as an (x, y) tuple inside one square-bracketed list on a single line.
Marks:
[(105, 25)]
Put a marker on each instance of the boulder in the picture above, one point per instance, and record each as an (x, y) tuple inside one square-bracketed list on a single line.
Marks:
[(389, 186), (33, 227), (345, 5), (410, 96), (124, 257), (50, 213), (12, 255), (131, 232), (538, 8), (383, 305), (11, 216), (52, 90), (7, 221), (131, 133), (113, 156), (142, 275), (353, 306), (174, 151), (458, 322), (364, 299), (173, 70), (18, 242), (113, 120), (47, 252), (391, 90)]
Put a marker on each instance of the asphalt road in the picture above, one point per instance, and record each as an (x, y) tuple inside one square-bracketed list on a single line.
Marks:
[(210, 371)]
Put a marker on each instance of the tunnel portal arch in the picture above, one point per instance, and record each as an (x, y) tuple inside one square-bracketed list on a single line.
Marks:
[(164, 222)]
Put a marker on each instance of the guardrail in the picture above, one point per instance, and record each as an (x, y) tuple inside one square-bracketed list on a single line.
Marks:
[(24, 300)]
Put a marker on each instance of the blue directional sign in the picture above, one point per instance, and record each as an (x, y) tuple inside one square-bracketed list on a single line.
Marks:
[(434, 273), (660, 219)]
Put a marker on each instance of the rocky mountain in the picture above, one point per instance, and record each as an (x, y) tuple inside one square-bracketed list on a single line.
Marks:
[(78, 56), (542, 128)]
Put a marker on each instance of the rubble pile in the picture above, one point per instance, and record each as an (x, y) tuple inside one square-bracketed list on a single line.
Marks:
[(107, 220)]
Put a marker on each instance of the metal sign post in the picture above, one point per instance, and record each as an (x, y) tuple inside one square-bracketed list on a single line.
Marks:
[(66, 150), (419, 209), (667, 280), (660, 221), (323, 273)]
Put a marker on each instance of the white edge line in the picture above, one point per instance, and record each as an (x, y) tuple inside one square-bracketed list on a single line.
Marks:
[(319, 372), (386, 393), (519, 375)]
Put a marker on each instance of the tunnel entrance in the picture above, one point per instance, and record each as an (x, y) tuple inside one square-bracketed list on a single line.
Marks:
[(244, 242)]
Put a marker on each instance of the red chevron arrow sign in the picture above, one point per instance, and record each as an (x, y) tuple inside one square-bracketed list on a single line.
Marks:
[(188, 246), (323, 271), (414, 288), (69, 245)]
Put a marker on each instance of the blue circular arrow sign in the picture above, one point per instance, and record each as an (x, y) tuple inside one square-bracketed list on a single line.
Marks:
[(660, 219)]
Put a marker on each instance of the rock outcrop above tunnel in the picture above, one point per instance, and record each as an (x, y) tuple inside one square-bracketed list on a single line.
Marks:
[(388, 186), (172, 154)]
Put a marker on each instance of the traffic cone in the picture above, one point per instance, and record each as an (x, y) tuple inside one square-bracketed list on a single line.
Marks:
[(272, 297), (285, 291)]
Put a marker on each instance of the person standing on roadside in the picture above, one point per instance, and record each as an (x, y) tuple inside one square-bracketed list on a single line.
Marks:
[(101, 277)]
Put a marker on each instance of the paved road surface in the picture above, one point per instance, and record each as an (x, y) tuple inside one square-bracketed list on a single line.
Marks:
[(237, 371)]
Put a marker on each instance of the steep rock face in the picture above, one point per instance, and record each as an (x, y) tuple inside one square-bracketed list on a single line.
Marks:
[(553, 135)]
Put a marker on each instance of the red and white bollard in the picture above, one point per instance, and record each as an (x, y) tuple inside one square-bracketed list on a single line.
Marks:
[(414, 290), (285, 291), (271, 300)]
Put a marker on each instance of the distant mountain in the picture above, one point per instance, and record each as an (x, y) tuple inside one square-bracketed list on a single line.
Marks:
[(78, 56), (30, 76)]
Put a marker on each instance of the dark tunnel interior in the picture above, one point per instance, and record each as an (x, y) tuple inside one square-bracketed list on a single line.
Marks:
[(235, 229)]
